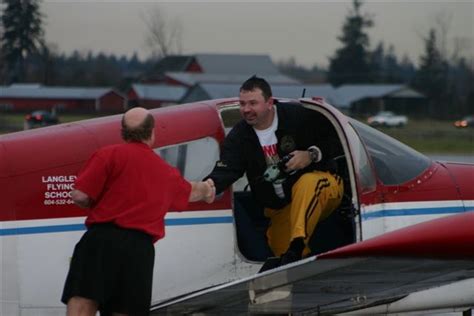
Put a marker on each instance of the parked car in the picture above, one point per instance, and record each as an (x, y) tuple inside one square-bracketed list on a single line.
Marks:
[(387, 119), (467, 121), (39, 119)]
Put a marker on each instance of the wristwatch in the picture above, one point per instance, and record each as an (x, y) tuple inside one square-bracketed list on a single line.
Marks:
[(315, 154)]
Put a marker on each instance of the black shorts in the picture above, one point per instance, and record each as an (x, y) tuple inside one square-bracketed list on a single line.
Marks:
[(114, 267)]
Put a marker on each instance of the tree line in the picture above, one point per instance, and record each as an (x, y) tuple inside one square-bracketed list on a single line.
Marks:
[(446, 81)]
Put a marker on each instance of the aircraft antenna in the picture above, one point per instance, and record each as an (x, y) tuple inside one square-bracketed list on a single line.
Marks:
[(304, 92)]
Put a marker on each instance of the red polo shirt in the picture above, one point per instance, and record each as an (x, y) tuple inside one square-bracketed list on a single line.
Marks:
[(132, 187)]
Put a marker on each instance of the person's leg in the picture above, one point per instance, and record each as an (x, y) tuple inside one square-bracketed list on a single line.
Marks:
[(278, 232), (286, 232), (133, 293), (80, 306), (80, 292), (94, 269), (315, 196)]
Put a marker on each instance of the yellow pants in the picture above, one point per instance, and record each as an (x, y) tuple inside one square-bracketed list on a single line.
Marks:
[(314, 196)]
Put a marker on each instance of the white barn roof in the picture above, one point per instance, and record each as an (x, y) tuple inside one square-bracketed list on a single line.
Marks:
[(34, 91), (159, 92)]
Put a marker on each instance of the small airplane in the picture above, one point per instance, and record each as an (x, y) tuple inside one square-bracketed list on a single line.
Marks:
[(401, 241)]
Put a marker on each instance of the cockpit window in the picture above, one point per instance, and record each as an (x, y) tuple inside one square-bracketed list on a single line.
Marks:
[(194, 159), (230, 116), (395, 163), (366, 174)]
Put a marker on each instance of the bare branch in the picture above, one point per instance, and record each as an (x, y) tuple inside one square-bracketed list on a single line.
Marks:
[(443, 21), (164, 33)]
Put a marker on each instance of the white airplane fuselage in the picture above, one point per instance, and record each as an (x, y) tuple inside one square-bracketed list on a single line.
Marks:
[(39, 225)]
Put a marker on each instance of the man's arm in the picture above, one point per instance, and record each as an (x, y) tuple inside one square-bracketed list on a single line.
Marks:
[(203, 190), (230, 167), (81, 199)]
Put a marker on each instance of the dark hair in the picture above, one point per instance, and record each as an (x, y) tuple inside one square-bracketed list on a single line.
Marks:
[(255, 82), (141, 132)]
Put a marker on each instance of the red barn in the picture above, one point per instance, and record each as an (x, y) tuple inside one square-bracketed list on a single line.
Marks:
[(75, 99)]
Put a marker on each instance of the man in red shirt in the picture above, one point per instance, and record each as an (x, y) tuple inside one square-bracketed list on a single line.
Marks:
[(128, 189)]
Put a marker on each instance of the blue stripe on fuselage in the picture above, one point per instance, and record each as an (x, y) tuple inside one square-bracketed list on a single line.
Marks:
[(229, 219), (79, 227), (414, 211)]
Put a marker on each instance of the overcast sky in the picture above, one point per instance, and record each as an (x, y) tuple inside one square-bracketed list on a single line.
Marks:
[(307, 30)]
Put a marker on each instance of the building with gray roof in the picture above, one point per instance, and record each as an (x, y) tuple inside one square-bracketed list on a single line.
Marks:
[(191, 78), (225, 67), (352, 99), (153, 96), (21, 97), (205, 91), (364, 99)]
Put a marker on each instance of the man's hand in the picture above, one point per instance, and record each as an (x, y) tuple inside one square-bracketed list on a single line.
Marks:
[(300, 160), (203, 191), (211, 194), (80, 199)]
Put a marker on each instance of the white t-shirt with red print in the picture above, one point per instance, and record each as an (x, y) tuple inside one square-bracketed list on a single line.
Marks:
[(268, 141)]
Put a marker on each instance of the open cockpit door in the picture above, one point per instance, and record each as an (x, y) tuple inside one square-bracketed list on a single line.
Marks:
[(341, 228)]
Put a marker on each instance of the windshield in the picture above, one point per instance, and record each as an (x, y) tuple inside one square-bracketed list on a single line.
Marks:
[(394, 162)]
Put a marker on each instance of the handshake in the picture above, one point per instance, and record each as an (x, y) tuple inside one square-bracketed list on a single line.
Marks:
[(203, 191), (210, 191)]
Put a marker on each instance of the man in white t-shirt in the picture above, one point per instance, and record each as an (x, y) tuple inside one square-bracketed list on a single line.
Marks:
[(277, 146)]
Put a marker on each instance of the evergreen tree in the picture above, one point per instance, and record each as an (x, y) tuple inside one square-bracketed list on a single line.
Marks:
[(377, 62), (22, 35), (431, 77), (392, 68), (462, 77), (407, 70), (105, 71), (386, 67), (292, 69), (2, 58), (351, 63)]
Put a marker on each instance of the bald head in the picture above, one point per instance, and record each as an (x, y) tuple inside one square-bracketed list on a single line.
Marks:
[(137, 126), (135, 117)]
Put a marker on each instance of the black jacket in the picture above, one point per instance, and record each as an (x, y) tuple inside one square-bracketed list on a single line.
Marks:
[(241, 153)]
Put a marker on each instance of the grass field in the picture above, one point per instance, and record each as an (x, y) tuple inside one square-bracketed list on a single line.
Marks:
[(14, 122), (430, 136), (64, 118), (426, 136)]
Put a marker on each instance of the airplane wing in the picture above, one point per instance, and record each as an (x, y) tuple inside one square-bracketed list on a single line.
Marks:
[(377, 271)]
